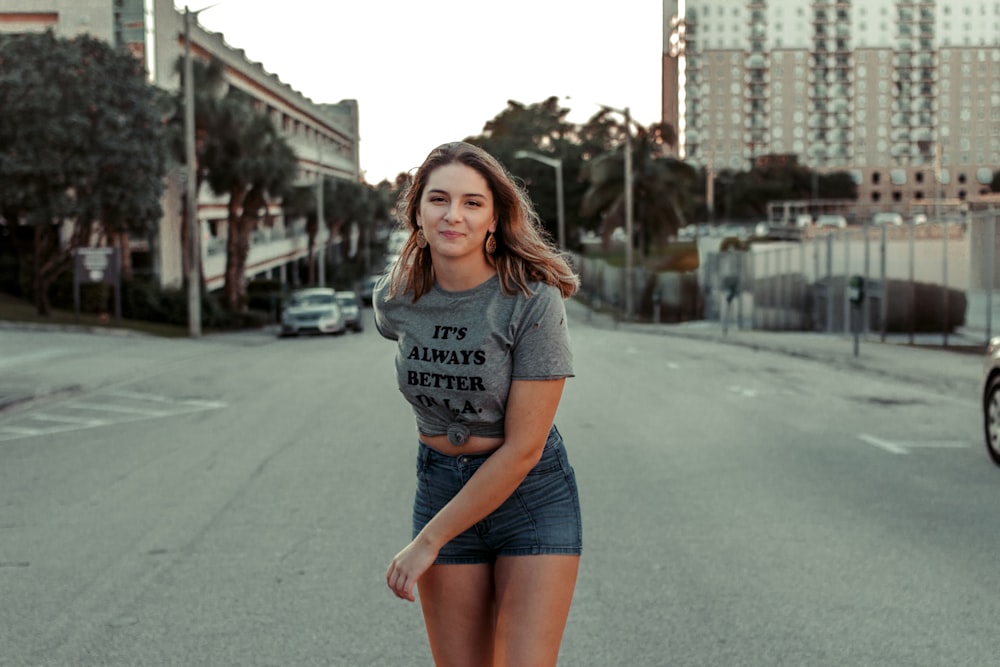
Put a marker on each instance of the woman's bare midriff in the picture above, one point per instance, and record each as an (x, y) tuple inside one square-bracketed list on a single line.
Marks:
[(476, 444)]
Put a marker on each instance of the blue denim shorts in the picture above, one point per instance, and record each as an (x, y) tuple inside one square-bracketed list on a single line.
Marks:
[(542, 516)]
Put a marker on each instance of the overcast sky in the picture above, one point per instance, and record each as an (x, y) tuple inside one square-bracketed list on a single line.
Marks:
[(429, 71)]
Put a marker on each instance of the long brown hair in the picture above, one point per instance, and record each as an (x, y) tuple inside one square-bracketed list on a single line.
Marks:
[(524, 251)]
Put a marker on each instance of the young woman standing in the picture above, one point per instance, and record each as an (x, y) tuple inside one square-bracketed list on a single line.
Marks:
[(475, 305)]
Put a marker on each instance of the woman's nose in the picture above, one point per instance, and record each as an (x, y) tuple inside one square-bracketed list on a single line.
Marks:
[(453, 214)]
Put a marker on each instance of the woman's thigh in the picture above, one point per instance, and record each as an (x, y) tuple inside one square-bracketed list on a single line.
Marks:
[(458, 607), (533, 597)]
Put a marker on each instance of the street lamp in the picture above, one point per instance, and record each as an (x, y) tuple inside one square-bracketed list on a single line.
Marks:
[(191, 183), (555, 163), (628, 206)]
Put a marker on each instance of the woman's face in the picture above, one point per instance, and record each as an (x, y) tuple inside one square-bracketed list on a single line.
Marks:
[(456, 212)]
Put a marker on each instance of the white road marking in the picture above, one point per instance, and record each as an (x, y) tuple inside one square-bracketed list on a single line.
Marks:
[(120, 407), (896, 447), (65, 419), (743, 391), (30, 357)]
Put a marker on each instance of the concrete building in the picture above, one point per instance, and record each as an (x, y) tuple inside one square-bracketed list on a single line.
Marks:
[(902, 94), (324, 136)]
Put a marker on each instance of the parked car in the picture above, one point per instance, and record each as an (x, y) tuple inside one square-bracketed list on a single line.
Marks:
[(990, 392), (919, 219), (831, 220), (887, 218), (312, 310), (367, 287), (350, 306)]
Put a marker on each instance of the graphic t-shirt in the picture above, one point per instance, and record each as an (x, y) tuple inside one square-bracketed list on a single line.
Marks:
[(457, 352)]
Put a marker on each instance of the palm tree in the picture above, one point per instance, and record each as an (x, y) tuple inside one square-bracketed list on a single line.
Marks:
[(210, 88), (660, 185), (246, 159)]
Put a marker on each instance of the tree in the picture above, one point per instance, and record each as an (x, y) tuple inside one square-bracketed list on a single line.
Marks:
[(81, 148), (661, 184), (540, 128), (209, 86), (245, 159)]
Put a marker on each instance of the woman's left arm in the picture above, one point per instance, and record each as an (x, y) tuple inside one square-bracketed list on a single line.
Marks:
[(531, 410)]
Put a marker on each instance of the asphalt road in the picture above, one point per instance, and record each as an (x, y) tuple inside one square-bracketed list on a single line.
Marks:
[(235, 500)]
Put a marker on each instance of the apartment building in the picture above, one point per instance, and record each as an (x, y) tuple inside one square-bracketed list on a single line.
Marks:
[(902, 94), (324, 137)]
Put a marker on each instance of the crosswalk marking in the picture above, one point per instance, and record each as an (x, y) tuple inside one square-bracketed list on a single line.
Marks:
[(102, 409)]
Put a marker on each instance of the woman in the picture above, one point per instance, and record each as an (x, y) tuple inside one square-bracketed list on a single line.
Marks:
[(475, 304)]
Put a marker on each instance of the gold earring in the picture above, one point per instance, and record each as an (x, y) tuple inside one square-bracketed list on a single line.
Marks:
[(421, 239), (491, 243)]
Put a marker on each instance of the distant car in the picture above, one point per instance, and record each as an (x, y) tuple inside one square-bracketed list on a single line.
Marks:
[(803, 220), (312, 310), (990, 393), (350, 306), (887, 218), (367, 287), (919, 219), (831, 220)]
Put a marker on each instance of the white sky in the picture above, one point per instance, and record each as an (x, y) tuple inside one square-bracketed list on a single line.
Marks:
[(429, 71)]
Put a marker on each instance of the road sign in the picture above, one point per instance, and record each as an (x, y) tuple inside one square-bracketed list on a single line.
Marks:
[(97, 266)]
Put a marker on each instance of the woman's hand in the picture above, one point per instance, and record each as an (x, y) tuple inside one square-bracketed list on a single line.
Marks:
[(408, 566)]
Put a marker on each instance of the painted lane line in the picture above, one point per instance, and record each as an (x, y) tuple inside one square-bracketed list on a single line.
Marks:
[(20, 431), (31, 357), (890, 447), (64, 419), (904, 447), (123, 409), (153, 398)]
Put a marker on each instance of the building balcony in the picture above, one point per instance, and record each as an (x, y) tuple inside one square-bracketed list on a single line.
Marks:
[(269, 249)]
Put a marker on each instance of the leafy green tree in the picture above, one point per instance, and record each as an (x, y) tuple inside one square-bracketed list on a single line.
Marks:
[(541, 128), (82, 149)]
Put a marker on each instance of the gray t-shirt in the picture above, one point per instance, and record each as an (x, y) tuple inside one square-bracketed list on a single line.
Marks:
[(457, 352)]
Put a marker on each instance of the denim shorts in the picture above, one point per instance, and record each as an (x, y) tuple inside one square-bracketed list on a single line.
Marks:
[(542, 516)]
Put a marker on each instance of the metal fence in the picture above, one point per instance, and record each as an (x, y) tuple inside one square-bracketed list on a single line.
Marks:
[(934, 278)]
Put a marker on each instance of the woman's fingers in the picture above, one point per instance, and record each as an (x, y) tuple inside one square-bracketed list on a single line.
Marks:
[(400, 585)]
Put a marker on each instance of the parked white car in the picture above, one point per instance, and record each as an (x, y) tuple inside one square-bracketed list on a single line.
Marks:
[(831, 220), (887, 218), (312, 310)]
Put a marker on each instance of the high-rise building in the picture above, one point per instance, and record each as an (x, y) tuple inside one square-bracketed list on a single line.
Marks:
[(902, 94)]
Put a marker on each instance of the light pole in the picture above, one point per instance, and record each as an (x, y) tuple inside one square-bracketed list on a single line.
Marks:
[(628, 206), (556, 164), (191, 184)]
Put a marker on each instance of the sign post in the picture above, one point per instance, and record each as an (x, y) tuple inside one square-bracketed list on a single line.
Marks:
[(856, 295), (98, 266)]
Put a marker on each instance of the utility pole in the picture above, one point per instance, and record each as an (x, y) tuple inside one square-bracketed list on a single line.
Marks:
[(628, 214), (194, 276), (191, 188)]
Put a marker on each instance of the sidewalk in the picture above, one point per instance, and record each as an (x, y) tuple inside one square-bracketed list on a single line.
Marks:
[(955, 369)]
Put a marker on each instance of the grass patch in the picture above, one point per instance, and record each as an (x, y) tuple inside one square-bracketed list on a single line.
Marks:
[(17, 310)]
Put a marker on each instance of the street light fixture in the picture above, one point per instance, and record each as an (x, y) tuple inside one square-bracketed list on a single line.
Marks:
[(191, 183), (628, 206), (555, 163)]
